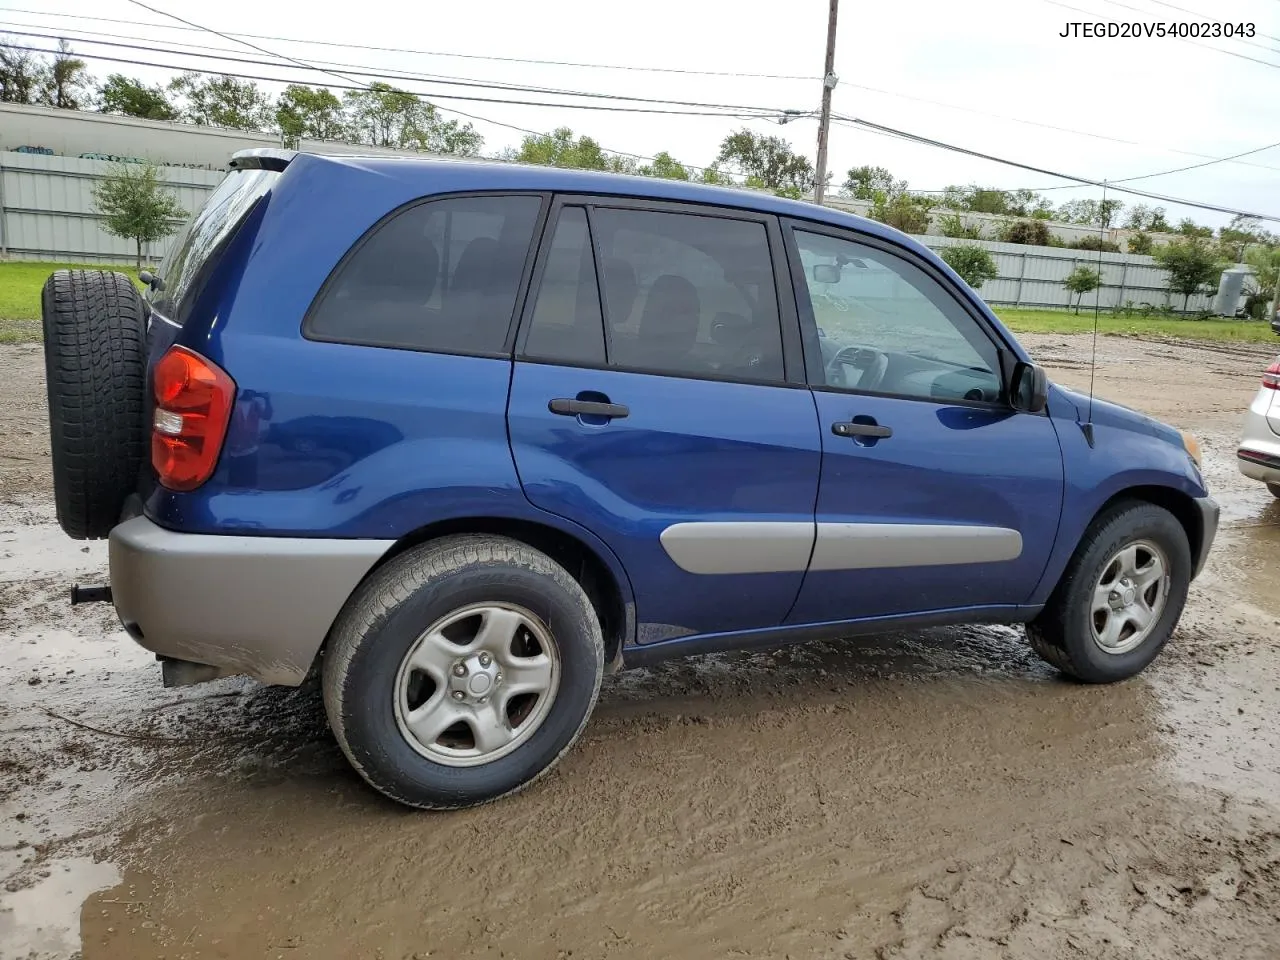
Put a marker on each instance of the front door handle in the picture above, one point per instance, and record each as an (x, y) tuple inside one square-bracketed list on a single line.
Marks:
[(567, 407), (852, 428)]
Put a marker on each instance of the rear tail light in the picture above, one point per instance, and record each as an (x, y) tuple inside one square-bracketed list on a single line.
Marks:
[(193, 407), (1271, 376)]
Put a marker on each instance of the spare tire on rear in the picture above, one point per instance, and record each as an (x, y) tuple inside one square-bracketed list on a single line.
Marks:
[(95, 365)]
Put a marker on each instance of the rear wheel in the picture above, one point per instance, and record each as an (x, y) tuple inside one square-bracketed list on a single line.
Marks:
[(95, 368), (1274, 488), (1119, 598), (462, 671)]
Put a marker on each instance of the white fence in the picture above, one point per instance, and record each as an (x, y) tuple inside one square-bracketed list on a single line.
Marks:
[(46, 213), (1033, 277), (46, 208)]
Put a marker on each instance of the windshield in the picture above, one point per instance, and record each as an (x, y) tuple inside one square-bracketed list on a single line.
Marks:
[(203, 235)]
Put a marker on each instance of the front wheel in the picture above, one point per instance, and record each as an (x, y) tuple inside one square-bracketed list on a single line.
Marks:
[(1119, 598), (462, 671)]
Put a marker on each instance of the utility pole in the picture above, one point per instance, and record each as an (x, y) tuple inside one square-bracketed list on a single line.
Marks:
[(824, 123)]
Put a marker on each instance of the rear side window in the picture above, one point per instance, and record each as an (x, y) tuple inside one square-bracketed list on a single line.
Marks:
[(203, 235), (688, 295), (441, 276), (567, 324)]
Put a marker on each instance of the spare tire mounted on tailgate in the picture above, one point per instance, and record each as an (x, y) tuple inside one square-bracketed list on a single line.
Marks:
[(95, 364)]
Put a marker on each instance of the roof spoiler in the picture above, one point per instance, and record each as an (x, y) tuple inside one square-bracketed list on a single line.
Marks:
[(261, 158)]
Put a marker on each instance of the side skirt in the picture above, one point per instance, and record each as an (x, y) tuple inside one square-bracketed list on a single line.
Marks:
[(649, 654)]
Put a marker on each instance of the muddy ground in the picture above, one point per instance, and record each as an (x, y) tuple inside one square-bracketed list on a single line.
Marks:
[(932, 795)]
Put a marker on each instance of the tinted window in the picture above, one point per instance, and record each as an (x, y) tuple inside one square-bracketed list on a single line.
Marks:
[(566, 316), (688, 294), (203, 235), (439, 276), (888, 327)]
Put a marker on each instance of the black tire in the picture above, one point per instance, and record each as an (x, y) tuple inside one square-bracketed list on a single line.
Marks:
[(382, 622), (1062, 634), (1275, 489), (95, 369)]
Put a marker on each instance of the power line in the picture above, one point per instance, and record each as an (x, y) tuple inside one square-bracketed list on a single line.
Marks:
[(1195, 166), (448, 80), (1087, 181), (435, 53), (731, 113), (358, 70), (496, 123), (1048, 126), (1098, 16)]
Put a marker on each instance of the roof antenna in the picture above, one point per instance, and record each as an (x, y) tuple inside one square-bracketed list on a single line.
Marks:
[(1087, 426)]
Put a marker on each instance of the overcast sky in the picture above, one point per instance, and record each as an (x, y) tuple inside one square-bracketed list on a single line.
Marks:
[(976, 68)]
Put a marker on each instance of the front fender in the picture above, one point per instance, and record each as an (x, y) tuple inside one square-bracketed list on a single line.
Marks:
[(1121, 458)]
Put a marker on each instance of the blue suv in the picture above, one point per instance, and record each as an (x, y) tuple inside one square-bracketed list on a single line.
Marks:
[(463, 437)]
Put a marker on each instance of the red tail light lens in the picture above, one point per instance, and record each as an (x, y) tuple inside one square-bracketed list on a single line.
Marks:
[(193, 407), (1271, 376)]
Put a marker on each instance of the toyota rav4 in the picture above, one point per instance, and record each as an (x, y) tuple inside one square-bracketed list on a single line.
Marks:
[(464, 437)]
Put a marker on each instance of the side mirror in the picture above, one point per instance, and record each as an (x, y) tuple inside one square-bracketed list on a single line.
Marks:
[(826, 272), (147, 277), (1028, 387)]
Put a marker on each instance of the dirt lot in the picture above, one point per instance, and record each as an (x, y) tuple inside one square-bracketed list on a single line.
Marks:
[(934, 795)]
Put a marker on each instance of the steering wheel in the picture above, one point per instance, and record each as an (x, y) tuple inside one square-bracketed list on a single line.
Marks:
[(872, 363)]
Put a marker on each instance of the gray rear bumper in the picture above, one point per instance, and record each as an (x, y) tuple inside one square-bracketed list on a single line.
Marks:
[(259, 606), (1209, 512)]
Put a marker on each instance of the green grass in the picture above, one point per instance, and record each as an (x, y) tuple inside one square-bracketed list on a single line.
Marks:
[(20, 283), (1061, 321)]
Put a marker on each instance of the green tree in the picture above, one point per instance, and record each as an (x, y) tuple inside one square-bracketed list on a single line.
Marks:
[(1140, 243), (715, 176), (560, 149), (223, 102), (1265, 263), (313, 112), (135, 205), (770, 159), (863, 183), (384, 116), (66, 81), (1189, 228), (22, 75), (1192, 264), (133, 98), (1082, 280), (974, 264), (665, 166), (904, 211), (1147, 219)]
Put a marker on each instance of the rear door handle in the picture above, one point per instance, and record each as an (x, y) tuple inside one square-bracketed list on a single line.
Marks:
[(588, 408), (852, 429)]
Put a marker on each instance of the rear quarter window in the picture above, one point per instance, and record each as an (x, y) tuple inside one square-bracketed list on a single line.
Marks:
[(441, 276), (204, 234)]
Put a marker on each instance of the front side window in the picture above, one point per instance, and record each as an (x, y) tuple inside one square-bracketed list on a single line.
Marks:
[(885, 326), (441, 276)]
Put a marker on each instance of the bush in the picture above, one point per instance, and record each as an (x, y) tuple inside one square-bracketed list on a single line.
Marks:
[(952, 225), (974, 264), (1034, 233), (1140, 243), (1094, 243)]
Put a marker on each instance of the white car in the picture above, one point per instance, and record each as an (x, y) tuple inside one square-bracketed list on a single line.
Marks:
[(1259, 452)]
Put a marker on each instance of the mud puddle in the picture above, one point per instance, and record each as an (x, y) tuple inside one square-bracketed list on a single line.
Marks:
[(933, 795)]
